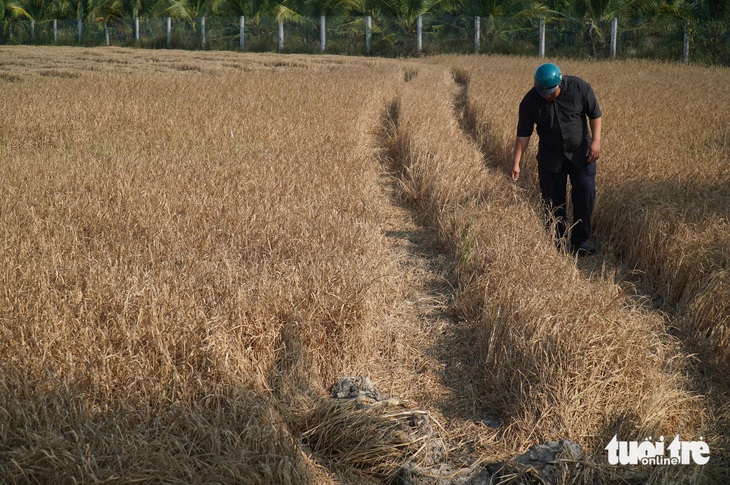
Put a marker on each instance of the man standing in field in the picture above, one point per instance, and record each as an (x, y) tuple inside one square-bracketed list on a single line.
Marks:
[(559, 106)]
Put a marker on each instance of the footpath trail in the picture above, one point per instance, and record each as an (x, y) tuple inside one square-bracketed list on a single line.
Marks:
[(431, 363), (431, 354)]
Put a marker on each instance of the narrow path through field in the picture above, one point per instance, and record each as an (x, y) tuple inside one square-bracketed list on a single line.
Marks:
[(438, 365)]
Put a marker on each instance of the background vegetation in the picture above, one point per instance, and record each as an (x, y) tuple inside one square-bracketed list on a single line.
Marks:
[(648, 28)]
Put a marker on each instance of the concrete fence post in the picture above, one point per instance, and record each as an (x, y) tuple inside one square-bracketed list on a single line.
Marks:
[(241, 26), (322, 33), (202, 33), (79, 28), (55, 31), (419, 34), (614, 35), (685, 54), (169, 32), (368, 33), (280, 41), (477, 33), (541, 47)]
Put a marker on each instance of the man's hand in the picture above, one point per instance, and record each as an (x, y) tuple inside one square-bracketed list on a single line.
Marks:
[(521, 143), (594, 151)]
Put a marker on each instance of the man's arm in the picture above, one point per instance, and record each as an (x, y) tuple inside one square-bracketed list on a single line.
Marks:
[(594, 150), (521, 143)]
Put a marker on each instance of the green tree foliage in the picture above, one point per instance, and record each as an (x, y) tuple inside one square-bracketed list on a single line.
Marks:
[(583, 23), (10, 9), (589, 11)]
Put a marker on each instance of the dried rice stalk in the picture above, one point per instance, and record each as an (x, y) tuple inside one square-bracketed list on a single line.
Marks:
[(375, 437)]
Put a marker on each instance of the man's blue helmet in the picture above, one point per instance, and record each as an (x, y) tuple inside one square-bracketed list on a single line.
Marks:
[(547, 79)]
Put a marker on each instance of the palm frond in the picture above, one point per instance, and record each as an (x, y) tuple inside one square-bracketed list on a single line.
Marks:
[(285, 14)]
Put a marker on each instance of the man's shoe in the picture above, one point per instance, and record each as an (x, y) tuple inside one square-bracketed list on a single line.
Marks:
[(584, 249)]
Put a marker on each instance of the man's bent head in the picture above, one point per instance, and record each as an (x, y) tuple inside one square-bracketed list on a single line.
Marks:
[(547, 81)]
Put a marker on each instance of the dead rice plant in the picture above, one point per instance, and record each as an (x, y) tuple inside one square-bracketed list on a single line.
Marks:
[(377, 438)]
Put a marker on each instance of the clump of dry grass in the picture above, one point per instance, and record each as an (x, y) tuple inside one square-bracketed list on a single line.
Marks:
[(563, 356), (377, 438)]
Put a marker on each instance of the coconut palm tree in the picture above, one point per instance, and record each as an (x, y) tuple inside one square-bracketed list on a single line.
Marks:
[(75, 9), (114, 13), (251, 9), (501, 19), (144, 8), (407, 11), (10, 10), (38, 9), (711, 29), (594, 17)]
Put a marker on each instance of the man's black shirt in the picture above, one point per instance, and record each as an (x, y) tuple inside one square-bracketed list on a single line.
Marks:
[(561, 123)]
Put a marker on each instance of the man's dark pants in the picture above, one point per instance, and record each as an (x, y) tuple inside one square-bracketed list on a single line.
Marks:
[(583, 197)]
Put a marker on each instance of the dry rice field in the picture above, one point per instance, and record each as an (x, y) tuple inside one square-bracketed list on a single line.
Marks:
[(195, 246)]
